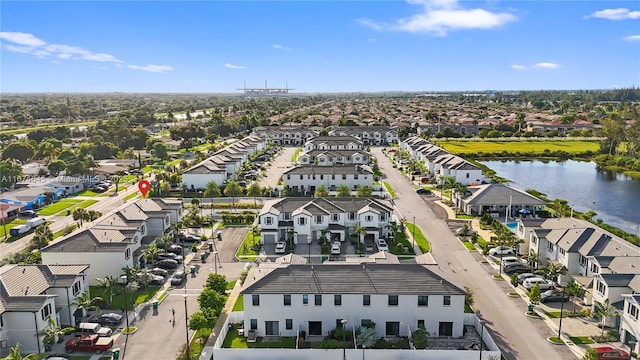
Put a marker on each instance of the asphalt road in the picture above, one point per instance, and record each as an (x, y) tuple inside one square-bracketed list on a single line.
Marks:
[(278, 166), (517, 336)]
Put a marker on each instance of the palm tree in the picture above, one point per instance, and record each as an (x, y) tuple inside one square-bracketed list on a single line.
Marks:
[(86, 303), (364, 191), (533, 259), (321, 192), (232, 189), (151, 252), (603, 310), (575, 290), (255, 231), (343, 191), (52, 332), (254, 190), (80, 214), (14, 354), (552, 271), (360, 231), (109, 283), (42, 236), (211, 190)]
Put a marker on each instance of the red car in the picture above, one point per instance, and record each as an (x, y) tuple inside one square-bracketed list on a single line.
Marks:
[(609, 353)]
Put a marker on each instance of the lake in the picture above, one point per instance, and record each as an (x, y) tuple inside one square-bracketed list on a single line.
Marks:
[(614, 196)]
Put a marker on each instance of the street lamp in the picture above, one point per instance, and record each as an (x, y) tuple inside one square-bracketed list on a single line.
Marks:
[(125, 278), (186, 325), (481, 322), (215, 260), (344, 341), (309, 249), (561, 310)]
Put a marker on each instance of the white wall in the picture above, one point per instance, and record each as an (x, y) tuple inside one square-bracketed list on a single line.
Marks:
[(328, 180), (199, 181), (22, 327), (102, 263), (156, 226)]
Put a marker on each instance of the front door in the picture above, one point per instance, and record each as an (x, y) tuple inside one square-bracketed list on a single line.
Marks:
[(315, 328)]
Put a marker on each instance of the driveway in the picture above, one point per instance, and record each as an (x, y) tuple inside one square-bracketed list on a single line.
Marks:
[(517, 336)]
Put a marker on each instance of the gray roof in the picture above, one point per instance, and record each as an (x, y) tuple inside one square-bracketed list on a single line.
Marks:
[(334, 140), (617, 280), (328, 205), (395, 279), (92, 240), (328, 170), (500, 194)]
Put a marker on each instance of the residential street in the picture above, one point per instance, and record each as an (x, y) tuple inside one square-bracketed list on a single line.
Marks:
[(517, 336)]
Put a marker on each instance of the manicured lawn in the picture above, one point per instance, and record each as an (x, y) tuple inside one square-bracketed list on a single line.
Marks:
[(464, 216), (138, 297), (556, 314), (580, 340), (401, 238), (555, 339), (196, 346), (469, 246), (419, 237), (239, 305), (10, 224), (59, 206), (57, 234), (85, 204), (231, 284), (389, 190), (245, 252), (532, 147), (87, 193), (130, 196), (235, 341)]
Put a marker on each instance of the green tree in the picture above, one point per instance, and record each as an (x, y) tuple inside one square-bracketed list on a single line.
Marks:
[(590, 354), (364, 192), (212, 190), (55, 166), (232, 189), (151, 252), (419, 338), (603, 310), (19, 150), (321, 192), (360, 232), (533, 259), (575, 290), (14, 354), (87, 303), (41, 237), (217, 282), (80, 214), (366, 337), (343, 191), (534, 294), (206, 318), (160, 150), (254, 190), (110, 286), (52, 332), (11, 171), (210, 298)]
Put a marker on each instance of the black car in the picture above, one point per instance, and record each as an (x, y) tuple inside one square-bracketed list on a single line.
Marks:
[(176, 249), (189, 238), (422, 191), (554, 296), (107, 319), (167, 264), (516, 269), (178, 277), (159, 271)]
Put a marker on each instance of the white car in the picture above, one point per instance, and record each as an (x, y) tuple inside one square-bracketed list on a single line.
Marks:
[(335, 248), (382, 245), (508, 260), (281, 247), (543, 283), (501, 250)]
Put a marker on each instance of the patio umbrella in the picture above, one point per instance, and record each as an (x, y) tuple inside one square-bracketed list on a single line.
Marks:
[(524, 211)]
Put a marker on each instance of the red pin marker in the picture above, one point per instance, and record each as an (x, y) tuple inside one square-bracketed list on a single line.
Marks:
[(144, 187)]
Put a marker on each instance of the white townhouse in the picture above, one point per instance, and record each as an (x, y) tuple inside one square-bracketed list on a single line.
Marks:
[(333, 143), (315, 299), (32, 294), (630, 320), (613, 286), (156, 218), (334, 157), (307, 178), (222, 164), (286, 135), (498, 200), (370, 135), (331, 218)]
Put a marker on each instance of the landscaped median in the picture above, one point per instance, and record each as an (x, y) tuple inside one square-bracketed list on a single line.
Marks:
[(389, 189), (250, 248), (418, 237)]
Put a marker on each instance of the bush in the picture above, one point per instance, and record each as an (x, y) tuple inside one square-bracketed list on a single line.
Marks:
[(331, 344)]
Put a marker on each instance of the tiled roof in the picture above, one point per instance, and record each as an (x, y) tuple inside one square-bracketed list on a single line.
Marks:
[(353, 279), (500, 194), (91, 240), (27, 280), (328, 170), (331, 205)]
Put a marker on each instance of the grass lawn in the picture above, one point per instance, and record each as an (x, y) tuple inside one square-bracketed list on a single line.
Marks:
[(138, 297), (58, 206), (419, 237), (86, 193), (531, 147), (389, 190), (401, 238), (231, 284), (27, 129), (10, 224), (294, 157), (469, 246), (555, 339), (196, 346), (245, 252), (580, 340), (57, 234), (464, 216), (235, 341), (85, 204), (239, 305), (556, 314), (130, 196)]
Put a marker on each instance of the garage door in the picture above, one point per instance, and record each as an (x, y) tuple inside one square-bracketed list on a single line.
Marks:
[(269, 238)]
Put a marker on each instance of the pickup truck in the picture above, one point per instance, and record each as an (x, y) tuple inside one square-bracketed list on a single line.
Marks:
[(88, 343)]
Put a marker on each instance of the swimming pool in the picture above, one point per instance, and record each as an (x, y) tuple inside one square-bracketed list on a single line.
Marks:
[(513, 226)]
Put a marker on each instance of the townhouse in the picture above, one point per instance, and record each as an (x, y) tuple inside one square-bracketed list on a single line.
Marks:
[(629, 319), (315, 299), (333, 143), (330, 218), (32, 294), (369, 135), (221, 165), (334, 157), (286, 135), (305, 179)]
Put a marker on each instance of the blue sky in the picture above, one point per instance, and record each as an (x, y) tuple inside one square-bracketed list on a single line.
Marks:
[(318, 46)]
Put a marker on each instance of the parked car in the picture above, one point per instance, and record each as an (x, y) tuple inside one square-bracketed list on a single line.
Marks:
[(176, 249), (508, 260), (422, 191), (281, 247), (29, 214), (88, 343), (178, 277), (609, 353), (554, 296), (501, 250), (516, 269), (159, 272), (169, 255), (107, 319), (335, 248), (92, 328), (156, 279), (543, 283), (382, 245), (368, 247), (522, 277), (167, 264), (189, 238)]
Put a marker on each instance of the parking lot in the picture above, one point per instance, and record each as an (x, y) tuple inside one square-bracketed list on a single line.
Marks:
[(313, 252)]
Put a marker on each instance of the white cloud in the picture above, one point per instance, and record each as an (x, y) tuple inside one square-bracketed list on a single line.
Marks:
[(615, 14), (546, 65), (441, 16), (632, 38), (518, 67), (21, 38), (234, 67), (152, 68), (281, 47)]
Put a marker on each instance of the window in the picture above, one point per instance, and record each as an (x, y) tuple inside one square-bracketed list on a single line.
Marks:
[(467, 175), (255, 300), (633, 311), (271, 328), (366, 300), (337, 300), (550, 246), (288, 177), (446, 300), (595, 268), (393, 300), (392, 328), (561, 251), (76, 288), (318, 219), (423, 300), (583, 260), (368, 218), (301, 221), (288, 324), (355, 177), (601, 287), (301, 176), (317, 300), (305, 299), (127, 253), (445, 329), (333, 176), (421, 324), (344, 176), (45, 312), (352, 216), (365, 322), (335, 217), (287, 216), (268, 220), (321, 175), (287, 300)]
